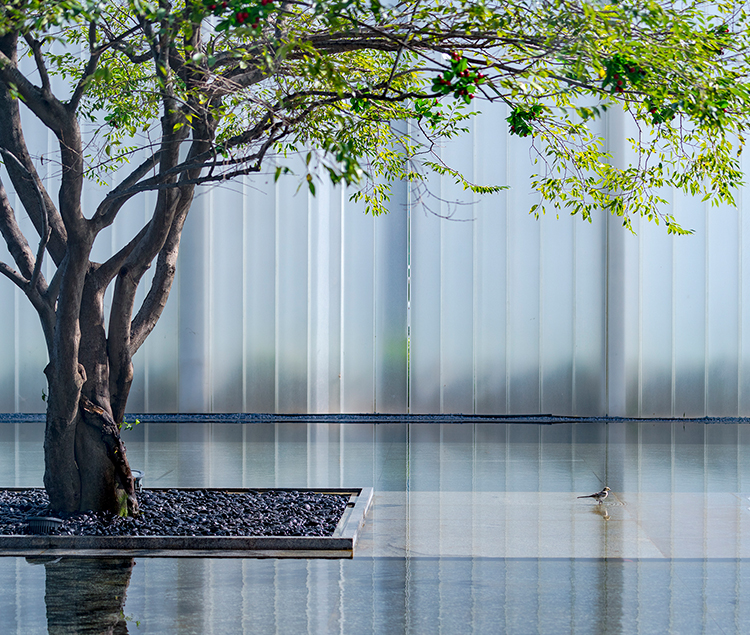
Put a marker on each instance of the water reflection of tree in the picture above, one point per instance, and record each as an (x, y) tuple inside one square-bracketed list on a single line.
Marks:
[(87, 595)]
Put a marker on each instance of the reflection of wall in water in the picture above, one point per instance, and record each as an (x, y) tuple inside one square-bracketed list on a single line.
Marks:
[(684, 468)]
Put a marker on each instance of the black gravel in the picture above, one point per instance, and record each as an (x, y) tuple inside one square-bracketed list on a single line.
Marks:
[(187, 513)]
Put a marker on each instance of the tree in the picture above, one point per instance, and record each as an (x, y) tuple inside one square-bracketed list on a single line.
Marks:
[(210, 91)]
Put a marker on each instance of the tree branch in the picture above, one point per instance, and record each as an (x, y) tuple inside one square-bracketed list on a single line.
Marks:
[(27, 182), (46, 107), (166, 265), (108, 209), (53, 114), (88, 71), (45, 220), (36, 48), (17, 244), (108, 270), (14, 276)]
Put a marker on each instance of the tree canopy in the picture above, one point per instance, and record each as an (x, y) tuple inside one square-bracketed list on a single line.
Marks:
[(273, 76), (175, 95)]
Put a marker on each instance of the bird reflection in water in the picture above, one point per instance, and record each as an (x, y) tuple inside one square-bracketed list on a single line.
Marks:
[(601, 511), (86, 595)]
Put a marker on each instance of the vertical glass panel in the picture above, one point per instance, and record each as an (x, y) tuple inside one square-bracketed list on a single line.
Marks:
[(323, 299), (30, 348), (631, 317), (622, 288), (130, 220), (156, 381), (656, 316), (194, 305), (7, 329), (424, 258), (743, 200), (336, 213), (162, 362), (722, 328), (390, 303), (523, 283), (490, 274), (490, 262), (358, 346), (456, 278), (226, 301), (291, 296), (689, 310), (590, 354), (557, 313), (260, 292)]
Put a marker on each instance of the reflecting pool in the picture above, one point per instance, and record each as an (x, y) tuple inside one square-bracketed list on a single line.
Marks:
[(475, 528)]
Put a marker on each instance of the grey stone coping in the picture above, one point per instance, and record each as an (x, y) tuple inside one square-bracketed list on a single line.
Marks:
[(340, 544), (377, 417)]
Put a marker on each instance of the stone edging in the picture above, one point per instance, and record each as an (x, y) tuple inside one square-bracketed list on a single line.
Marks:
[(339, 545)]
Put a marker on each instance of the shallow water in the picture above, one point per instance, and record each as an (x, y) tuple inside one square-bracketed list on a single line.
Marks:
[(475, 528)]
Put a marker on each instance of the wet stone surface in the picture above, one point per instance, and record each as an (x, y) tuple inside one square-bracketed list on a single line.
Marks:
[(188, 513)]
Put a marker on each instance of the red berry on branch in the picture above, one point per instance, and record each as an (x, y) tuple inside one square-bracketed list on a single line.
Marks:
[(223, 5)]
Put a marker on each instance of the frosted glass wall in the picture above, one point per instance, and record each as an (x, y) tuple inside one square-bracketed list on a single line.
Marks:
[(451, 303)]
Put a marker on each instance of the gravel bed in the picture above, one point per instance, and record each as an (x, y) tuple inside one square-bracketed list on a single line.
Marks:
[(188, 513)]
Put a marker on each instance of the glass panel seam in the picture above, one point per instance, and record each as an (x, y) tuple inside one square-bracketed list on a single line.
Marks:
[(673, 320), (640, 321), (707, 297), (739, 303)]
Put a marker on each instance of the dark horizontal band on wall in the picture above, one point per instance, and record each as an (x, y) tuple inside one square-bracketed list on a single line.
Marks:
[(375, 418)]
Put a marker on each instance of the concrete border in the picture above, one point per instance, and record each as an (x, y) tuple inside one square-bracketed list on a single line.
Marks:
[(340, 544)]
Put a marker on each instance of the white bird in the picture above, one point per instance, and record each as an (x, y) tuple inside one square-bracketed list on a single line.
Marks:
[(599, 496)]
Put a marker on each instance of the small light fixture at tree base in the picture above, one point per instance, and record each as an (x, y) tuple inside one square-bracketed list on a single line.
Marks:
[(44, 525)]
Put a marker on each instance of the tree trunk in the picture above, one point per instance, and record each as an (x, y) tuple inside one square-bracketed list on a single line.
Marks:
[(86, 466)]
